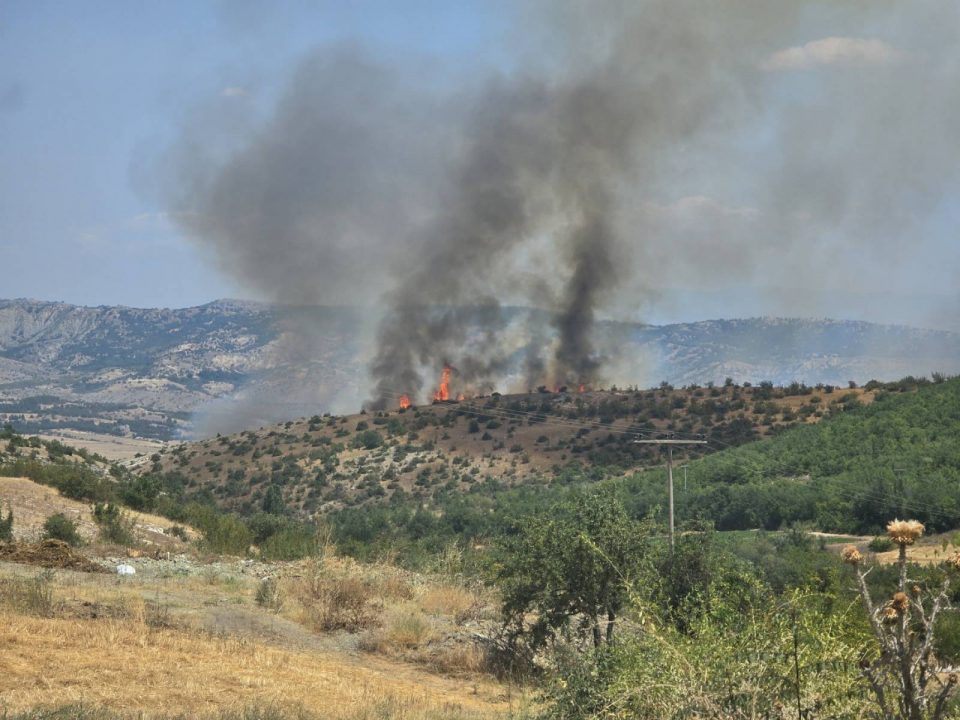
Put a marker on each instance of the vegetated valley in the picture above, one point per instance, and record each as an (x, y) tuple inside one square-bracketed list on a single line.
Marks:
[(504, 557)]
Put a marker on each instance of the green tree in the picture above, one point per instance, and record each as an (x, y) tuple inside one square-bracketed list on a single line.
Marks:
[(60, 527), (580, 560), (273, 502), (115, 525), (368, 439), (221, 533), (6, 525)]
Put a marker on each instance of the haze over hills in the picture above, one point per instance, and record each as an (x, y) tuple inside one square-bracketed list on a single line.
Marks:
[(227, 365)]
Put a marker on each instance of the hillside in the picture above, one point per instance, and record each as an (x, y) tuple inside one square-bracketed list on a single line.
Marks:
[(33, 503), (326, 463), (252, 627), (228, 365), (897, 457)]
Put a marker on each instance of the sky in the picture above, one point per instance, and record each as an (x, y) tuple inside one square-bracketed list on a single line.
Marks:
[(91, 92), (828, 188)]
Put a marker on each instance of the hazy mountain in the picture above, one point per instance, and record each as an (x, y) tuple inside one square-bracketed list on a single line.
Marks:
[(148, 371)]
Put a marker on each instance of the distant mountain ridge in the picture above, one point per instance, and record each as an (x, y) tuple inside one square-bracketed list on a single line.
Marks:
[(146, 371), (786, 349)]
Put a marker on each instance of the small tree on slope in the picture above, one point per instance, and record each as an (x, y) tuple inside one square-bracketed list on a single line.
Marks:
[(6, 525)]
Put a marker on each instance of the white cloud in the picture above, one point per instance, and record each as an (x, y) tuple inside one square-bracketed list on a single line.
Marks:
[(233, 91), (846, 51)]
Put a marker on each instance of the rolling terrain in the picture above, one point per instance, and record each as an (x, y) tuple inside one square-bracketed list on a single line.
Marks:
[(229, 365), (326, 463)]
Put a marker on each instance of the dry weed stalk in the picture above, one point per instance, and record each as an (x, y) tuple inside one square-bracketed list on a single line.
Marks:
[(906, 678)]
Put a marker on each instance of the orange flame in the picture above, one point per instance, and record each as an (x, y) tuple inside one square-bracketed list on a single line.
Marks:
[(443, 393), (461, 397), (582, 388), (404, 402)]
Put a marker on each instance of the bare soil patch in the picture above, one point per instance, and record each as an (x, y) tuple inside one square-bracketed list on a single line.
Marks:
[(49, 554)]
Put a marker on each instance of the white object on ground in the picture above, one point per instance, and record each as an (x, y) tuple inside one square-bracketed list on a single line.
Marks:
[(126, 570)]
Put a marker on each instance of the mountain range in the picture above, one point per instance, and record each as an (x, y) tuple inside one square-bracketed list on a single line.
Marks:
[(164, 373)]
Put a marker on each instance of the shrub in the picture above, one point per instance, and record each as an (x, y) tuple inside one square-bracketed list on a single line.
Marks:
[(881, 543), (368, 439), (339, 603), (177, 531), (6, 525), (409, 630), (456, 602), (221, 533), (269, 595), (290, 543), (60, 527), (115, 525)]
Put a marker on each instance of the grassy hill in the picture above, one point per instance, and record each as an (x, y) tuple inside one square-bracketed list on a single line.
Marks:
[(324, 464)]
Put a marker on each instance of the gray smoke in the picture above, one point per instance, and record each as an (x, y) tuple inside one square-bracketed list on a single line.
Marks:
[(626, 144)]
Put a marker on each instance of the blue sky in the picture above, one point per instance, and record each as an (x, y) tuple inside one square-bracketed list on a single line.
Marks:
[(92, 92)]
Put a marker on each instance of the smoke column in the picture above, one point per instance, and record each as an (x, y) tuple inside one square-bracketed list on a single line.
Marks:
[(626, 144)]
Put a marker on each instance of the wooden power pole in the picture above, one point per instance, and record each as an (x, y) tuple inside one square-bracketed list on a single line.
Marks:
[(670, 442)]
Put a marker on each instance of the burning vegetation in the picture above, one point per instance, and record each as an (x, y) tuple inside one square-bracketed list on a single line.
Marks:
[(443, 392)]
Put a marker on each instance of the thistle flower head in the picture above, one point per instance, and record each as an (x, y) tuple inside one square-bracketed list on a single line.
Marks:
[(889, 614), (851, 555), (953, 561), (900, 602), (904, 532)]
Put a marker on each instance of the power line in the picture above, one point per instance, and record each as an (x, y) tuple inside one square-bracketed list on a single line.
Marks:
[(504, 413), (670, 444), (472, 408)]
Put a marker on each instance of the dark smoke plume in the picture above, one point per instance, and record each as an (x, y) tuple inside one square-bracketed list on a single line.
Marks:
[(628, 144)]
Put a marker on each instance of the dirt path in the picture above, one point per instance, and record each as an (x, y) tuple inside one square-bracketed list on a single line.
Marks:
[(221, 606)]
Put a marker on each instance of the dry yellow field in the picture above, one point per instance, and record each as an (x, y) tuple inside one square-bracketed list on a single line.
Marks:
[(128, 666), (111, 447)]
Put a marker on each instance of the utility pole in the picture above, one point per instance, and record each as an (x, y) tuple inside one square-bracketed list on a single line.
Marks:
[(670, 442), (901, 492)]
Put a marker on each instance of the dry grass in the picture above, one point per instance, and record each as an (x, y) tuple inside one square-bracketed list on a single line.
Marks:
[(398, 615), (129, 666), (396, 587), (33, 503), (404, 630), (111, 447), (921, 554), (82, 638), (457, 602), (338, 602), (32, 596), (461, 659)]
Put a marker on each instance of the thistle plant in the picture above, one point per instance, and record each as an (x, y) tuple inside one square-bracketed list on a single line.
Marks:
[(907, 680)]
